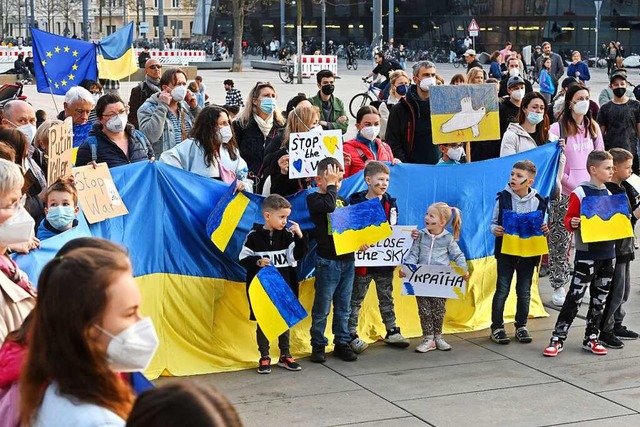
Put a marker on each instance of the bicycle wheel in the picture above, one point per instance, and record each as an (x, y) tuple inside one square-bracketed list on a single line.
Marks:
[(456, 63), (348, 64), (358, 101), (285, 74), (355, 63)]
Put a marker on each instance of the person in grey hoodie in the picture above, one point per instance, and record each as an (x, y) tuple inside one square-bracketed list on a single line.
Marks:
[(436, 246), (516, 199)]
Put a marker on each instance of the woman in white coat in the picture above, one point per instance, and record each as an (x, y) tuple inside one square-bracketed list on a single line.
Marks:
[(532, 128), (211, 150)]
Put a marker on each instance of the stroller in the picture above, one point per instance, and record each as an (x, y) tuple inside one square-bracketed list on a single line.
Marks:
[(9, 92)]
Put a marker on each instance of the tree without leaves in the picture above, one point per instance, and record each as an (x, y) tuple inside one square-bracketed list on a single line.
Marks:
[(240, 9)]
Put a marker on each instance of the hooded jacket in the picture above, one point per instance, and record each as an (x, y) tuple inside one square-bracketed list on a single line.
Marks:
[(516, 140), (441, 249)]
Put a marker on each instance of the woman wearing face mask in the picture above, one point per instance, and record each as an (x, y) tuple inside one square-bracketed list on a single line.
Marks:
[(112, 140), (16, 228), (87, 327), (400, 83), (582, 135), (166, 117), (211, 150), (256, 126), (531, 129), (366, 145)]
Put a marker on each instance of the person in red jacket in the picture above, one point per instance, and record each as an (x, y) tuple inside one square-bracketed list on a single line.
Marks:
[(12, 354), (366, 145)]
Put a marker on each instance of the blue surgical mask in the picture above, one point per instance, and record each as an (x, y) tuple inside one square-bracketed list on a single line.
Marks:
[(267, 105), (535, 118), (402, 90), (60, 216)]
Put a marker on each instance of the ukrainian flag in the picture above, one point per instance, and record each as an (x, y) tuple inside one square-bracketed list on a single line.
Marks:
[(196, 294), (116, 56), (605, 218), (274, 304), (356, 225), (522, 234), (225, 217)]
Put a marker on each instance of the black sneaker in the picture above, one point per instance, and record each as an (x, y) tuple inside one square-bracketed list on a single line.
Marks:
[(343, 351), (499, 335), (625, 334), (610, 340), (522, 334), (289, 363), (317, 355), (264, 365)]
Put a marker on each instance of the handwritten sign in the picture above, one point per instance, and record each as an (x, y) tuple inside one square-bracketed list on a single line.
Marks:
[(97, 193), (60, 151), (390, 251), (440, 281), (306, 149)]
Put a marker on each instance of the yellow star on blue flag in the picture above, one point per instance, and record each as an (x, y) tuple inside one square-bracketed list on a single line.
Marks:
[(55, 70)]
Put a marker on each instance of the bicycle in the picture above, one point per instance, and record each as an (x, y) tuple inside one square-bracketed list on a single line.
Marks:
[(286, 72), (359, 100), (352, 63), (459, 61)]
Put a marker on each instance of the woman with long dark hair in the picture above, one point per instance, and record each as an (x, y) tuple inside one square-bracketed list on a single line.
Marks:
[(531, 129)]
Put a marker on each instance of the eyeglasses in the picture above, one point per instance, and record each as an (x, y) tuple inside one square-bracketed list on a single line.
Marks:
[(155, 67), (125, 111), (17, 204)]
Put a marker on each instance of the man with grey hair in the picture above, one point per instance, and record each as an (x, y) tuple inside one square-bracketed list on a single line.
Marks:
[(78, 104), (20, 115), (409, 126)]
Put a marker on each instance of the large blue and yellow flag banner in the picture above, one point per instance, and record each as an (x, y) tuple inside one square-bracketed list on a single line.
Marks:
[(274, 304), (61, 63), (604, 218), (116, 56), (197, 296), (523, 234), (356, 225)]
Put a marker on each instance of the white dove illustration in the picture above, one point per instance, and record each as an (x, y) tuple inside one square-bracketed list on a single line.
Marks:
[(465, 119)]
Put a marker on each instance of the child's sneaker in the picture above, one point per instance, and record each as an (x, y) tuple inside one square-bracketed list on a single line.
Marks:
[(558, 297), (343, 351), (264, 365), (625, 334), (289, 363), (395, 338), (427, 344), (555, 347), (608, 339), (522, 335), (441, 344), (499, 335), (357, 344), (317, 355), (591, 344)]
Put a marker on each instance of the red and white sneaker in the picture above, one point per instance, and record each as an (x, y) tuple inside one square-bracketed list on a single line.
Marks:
[(555, 346), (593, 345)]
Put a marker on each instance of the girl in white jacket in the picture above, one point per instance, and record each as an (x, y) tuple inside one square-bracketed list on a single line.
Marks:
[(532, 128)]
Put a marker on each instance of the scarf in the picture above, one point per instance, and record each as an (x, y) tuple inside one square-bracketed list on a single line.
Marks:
[(153, 83), (264, 125)]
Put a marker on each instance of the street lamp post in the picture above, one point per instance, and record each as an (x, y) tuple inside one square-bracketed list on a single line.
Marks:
[(392, 13), (324, 27), (85, 20), (597, 4), (282, 21), (299, 40)]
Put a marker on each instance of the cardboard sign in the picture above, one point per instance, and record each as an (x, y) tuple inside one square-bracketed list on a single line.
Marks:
[(605, 218), (390, 251), (440, 281), (97, 194), (359, 224), (306, 149), (60, 151)]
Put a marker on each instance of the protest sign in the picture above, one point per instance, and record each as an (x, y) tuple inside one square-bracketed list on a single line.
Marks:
[(440, 281), (357, 225), (306, 149), (389, 251), (97, 194), (60, 151), (605, 218)]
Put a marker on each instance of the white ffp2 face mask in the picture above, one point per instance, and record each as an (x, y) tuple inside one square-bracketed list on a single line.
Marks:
[(178, 93), (17, 229), (370, 132), (132, 349), (581, 107), (455, 154), (427, 82), (514, 72), (225, 134)]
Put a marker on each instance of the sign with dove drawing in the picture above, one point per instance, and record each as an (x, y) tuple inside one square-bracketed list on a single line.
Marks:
[(306, 149), (464, 113)]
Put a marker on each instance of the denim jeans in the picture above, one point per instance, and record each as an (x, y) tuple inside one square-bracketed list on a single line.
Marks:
[(334, 282), (507, 266)]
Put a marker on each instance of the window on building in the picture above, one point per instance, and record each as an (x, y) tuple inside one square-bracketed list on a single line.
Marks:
[(175, 3)]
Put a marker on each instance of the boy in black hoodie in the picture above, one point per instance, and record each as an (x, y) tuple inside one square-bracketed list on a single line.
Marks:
[(376, 175), (273, 244)]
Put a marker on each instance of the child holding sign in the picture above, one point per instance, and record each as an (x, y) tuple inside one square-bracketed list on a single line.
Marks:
[(61, 208), (273, 244), (518, 199), (376, 175), (436, 246)]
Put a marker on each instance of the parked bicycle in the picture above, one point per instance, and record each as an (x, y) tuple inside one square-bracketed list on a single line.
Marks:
[(359, 100), (286, 72)]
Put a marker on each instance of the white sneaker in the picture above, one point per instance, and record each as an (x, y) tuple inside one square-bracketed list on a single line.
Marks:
[(427, 344), (441, 344), (559, 294), (357, 345)]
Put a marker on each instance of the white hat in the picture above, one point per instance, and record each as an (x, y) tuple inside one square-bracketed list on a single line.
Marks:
[(470, 52)]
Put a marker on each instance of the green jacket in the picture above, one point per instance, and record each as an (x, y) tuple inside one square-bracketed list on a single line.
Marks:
[(338, 110)]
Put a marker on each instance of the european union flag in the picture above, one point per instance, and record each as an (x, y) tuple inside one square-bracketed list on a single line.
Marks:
[(61, 63)]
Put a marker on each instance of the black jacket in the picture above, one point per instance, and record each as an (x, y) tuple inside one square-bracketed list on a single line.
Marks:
[(282, 247), (252, 144), (282, 184), (140, 93), (108, 151), (320, 206)]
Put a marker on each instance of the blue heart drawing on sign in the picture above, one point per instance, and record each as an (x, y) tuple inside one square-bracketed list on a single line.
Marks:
[(298, 165)]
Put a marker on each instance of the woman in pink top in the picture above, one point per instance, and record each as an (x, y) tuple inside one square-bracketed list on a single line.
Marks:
[(582, 135)]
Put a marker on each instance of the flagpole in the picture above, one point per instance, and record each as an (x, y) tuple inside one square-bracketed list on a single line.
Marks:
[(54, 99)]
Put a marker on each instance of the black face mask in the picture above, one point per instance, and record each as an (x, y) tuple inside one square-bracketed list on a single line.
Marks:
[(619, 91), (327, 89)]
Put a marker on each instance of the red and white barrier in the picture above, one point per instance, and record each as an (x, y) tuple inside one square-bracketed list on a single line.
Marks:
[(174, 56), (311, 64)]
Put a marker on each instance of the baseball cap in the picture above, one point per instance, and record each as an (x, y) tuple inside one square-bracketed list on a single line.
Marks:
[(568, 81), (618, 75), (470, 52), (515, 80)]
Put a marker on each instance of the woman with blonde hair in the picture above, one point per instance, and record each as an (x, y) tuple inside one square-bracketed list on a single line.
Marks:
[(41, 144), (475, 76), (399, 86)]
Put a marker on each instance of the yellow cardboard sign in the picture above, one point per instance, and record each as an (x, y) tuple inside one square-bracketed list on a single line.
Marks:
[(97, 194), (60, 151)]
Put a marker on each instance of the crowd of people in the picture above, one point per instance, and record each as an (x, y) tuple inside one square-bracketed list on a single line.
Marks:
[(80, 334)]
